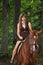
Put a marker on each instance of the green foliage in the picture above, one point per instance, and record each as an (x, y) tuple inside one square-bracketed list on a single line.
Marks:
[(0, 23), (32, 7), (10, 27)]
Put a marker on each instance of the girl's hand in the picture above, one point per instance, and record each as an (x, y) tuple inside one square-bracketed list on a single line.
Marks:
[(21, 37)]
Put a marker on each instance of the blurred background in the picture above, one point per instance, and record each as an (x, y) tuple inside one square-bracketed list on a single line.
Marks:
[(9, 13)]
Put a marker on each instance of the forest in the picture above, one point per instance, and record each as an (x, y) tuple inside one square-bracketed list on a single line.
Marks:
[(9, 14)]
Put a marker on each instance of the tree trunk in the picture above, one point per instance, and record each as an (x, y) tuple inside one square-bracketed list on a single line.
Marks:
[(41, 36), (5, 15), (42, 28), (17, 5)]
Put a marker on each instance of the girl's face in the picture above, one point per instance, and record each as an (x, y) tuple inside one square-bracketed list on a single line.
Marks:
[(23, 19)]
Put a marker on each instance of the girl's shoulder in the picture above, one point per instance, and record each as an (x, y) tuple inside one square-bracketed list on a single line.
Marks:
[(29, 23), (18, 24)]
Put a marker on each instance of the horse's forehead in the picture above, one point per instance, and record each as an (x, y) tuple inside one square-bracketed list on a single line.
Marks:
[(35, 36), (35, 32)]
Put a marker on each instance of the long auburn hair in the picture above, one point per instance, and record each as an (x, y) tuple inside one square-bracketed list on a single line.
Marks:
[(20, 19)]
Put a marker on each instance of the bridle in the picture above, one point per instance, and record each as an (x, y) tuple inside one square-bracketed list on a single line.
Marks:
[(32, 44)]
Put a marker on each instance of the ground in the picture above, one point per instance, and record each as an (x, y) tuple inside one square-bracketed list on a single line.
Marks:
[(5, 61)]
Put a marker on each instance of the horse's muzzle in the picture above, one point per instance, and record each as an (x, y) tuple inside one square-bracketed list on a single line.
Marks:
[(32, 48)]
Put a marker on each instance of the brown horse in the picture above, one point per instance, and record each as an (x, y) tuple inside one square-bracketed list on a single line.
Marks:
[(29, 50)]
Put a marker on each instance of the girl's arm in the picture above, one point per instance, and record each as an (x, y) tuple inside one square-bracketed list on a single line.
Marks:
[(30, 26)]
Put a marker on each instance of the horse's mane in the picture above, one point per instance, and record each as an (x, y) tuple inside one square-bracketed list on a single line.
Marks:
[(34, 32)]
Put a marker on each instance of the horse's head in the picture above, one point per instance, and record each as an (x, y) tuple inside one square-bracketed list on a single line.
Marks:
[(33, 37)]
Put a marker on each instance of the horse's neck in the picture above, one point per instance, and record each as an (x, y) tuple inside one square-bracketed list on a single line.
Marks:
[(27, 41)]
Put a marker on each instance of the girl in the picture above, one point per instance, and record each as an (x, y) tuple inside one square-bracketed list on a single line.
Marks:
[(23, 29)]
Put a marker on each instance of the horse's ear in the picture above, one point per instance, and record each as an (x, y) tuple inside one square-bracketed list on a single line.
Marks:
[(40, 31)]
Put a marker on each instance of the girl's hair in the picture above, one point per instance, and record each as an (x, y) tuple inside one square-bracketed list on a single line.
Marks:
[(20, 18)]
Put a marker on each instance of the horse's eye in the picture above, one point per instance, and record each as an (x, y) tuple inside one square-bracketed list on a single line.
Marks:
[(34, 36)]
